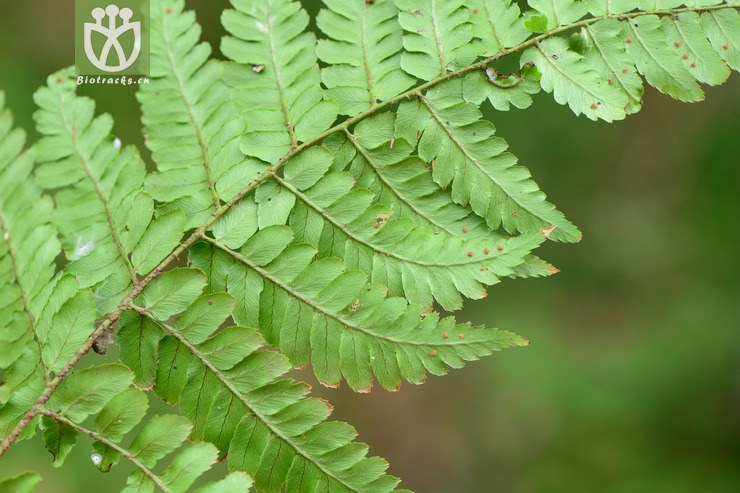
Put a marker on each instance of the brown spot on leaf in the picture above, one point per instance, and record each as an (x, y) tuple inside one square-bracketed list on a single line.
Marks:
[(470, 254), (677, 44), (625, 70), (594, 106), (486, 251), (461, 336), (445, 335), (685, 56), (628, 40), (433, 353), (553, 270), (500, 248), (465, 229), (258, 68)]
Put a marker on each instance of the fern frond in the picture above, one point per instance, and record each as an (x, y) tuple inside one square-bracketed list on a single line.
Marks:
[(103, 391), (101, 209), (28, 244), (321, 308), (413, 261), (723, 30), (282, 94), (672, 49), (453, 136), (400, 180), (496, 24), (437, 37), (233, 393), (606, 55), (191, 125), (574, 82), (363, 53)]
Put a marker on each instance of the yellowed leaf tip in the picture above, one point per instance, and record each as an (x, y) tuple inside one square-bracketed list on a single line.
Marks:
[(548, 231), (553, 270)]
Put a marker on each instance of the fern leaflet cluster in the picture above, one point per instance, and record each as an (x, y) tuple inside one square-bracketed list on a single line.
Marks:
[(328, 196)]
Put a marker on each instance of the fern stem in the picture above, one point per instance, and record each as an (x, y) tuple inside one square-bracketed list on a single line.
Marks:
[(101, 439), (9, 440), (239, 395)]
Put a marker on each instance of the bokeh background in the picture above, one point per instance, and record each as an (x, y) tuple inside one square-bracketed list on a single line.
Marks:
[(632, 382)]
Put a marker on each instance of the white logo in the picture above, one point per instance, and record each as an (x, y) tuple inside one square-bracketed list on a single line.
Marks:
[(112, 33)]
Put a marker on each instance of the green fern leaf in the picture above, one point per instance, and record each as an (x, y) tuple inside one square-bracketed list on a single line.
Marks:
[(266, 426), (437, 37), (412, 260), (685, 33), (191, 125), (723, 30), (363, 53), (105, 391), (497, 24), (319, 307), (662, 68), (21, 386), (454, 137), (28, 244), (606, 55), (102, 212), (59, 439), (574, 82), (282, 94)]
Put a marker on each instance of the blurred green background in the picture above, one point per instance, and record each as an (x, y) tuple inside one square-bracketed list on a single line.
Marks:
[(632, 382)]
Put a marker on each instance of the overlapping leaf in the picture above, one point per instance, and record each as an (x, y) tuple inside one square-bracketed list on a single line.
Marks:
[(28, 244), (233, 392), (280, 86), (496, 24), (104, 391), (437, 37), (363, 53), (101, 209), (454, 137), (191, 123), (319, 307)]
